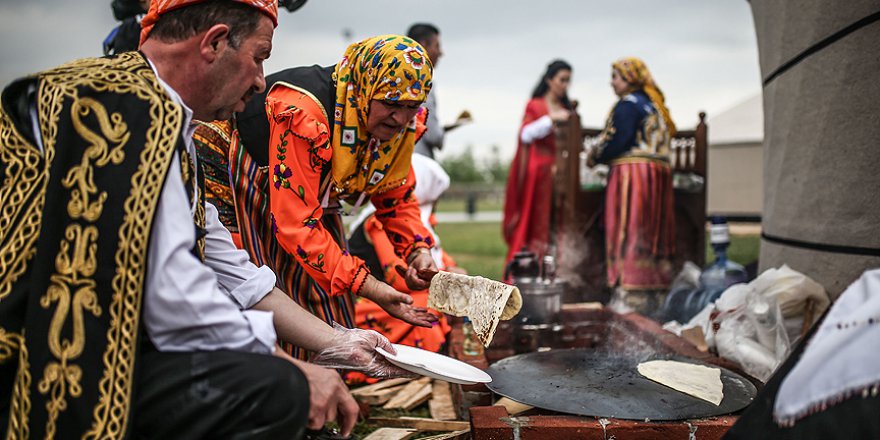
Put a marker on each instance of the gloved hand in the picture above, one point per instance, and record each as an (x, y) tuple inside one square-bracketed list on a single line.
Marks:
[(355, 349)]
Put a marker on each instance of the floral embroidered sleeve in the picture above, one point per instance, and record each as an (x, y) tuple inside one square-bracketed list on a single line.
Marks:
[(298, 152), (398, 210)]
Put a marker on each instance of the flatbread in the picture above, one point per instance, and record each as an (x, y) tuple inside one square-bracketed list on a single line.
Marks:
[(483, 300), (695, 380)]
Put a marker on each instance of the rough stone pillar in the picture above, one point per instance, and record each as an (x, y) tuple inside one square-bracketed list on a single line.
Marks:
[(820, 64)]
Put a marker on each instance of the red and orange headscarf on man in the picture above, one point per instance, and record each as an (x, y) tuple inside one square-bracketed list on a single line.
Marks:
[(634, 71), (159, 7)]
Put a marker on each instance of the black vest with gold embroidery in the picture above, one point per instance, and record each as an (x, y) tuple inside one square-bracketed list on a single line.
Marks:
[(75, 222)]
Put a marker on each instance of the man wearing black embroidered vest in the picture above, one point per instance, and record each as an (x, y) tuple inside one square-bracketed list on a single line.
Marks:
[(125, 309)]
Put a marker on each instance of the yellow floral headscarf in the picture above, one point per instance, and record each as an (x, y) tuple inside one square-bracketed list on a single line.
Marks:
[(390, 68), (635, 72)]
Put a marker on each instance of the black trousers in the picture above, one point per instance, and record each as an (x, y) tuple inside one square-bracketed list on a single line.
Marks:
[(219, 395)]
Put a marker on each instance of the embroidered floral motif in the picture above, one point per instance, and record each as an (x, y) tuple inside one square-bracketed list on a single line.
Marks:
[(281, 175), (282, 147), (310, 222), (318, 264), (419, 239)]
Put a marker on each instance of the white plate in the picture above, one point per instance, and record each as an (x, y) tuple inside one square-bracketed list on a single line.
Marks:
[(435, 365)]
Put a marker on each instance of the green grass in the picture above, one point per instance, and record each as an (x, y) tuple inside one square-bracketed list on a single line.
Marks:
[(457, 204), (744, 249), (477, 247)]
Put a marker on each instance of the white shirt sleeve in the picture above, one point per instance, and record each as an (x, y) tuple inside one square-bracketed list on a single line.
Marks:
[(537, 129), (187, 304), (243, 281)]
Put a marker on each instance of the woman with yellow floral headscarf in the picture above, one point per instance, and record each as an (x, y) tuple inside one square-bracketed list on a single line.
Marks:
[(324, 135), (639, 217)]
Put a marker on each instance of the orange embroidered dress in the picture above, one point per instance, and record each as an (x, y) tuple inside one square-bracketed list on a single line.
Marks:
[(290, 165)]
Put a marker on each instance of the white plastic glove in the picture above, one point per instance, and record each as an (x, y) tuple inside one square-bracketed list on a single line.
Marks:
[(355, 349)]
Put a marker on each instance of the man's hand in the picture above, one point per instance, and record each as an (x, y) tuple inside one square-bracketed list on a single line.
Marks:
[(355, 349), (329, 398), (397, 304)]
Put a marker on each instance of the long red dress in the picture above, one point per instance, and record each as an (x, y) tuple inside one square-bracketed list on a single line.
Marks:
[(528, 197)]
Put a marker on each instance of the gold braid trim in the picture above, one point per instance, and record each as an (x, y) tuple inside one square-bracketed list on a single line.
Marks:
[(10, 343), (126, 74), (133, 75), (22, 197)]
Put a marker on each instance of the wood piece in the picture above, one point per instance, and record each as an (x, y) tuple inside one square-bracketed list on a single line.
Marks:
[(809, 316), (420, 423), (412, 395), (583, 306), (369, 389), (457, 435), (441, 405), (695, 336), (391, 434), (512, 406), (379, 397)]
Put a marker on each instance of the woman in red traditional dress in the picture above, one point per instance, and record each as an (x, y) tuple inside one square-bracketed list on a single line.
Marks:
[(528, 198), (639, 218)]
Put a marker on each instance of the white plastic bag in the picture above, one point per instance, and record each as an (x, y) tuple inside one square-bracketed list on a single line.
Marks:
[(791, 290), (750, 331)]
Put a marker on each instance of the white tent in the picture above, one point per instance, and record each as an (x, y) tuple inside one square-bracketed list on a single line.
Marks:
[(736, 160)]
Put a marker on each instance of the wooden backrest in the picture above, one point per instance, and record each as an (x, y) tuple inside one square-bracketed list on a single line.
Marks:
[(577, 210)]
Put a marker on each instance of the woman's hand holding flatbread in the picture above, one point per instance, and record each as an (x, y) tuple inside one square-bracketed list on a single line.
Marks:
[(421, 269), (397, 304)]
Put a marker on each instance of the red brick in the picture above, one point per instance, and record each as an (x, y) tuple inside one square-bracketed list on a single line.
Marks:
[(712, 428), (633, 430), (489, 419)]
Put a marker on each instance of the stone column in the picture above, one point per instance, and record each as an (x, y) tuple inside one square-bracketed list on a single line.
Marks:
[(820, 64)]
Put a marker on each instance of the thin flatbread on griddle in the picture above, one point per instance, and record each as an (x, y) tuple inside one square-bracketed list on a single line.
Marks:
[(483, 300), (694, 380)]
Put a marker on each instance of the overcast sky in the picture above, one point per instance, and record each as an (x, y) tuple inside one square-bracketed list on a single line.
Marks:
[(702, 53)]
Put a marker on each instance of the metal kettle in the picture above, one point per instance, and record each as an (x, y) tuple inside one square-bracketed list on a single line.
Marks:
[(524, 266)]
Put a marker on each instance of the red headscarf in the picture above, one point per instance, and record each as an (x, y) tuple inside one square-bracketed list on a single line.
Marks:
[(159, 7)]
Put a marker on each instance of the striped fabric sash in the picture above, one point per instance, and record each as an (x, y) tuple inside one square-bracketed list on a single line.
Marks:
[(250, 189)]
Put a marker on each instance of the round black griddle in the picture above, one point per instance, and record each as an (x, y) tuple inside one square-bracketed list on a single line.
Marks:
[(588, 382)]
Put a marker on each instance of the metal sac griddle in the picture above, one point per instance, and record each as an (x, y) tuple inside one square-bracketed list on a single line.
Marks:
[(588, 382)]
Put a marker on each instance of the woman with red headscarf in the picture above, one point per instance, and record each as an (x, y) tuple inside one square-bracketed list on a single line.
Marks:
[(639, 217)]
